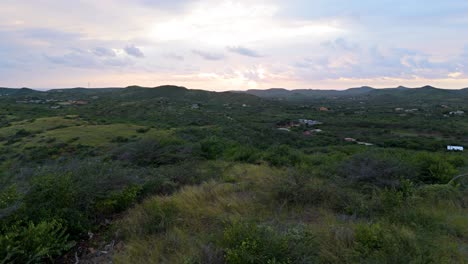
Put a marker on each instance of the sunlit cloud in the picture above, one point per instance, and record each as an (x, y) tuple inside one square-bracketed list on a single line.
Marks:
[(233, 44)]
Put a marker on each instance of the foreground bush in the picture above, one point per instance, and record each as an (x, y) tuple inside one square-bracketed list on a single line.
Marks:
[(33, 243), (247, 243)]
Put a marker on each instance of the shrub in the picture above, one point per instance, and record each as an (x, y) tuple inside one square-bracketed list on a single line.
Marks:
[(242, 153), (119, 200), (213, 147), (375, 169), (434, 169), (282, 155), (8, 196), (147, 152), (380, 243), (52, 197), (143, 130), (33, 243), (251, 243)]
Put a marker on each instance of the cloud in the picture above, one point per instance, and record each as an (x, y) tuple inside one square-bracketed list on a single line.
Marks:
[(49, 34), (209, 56), (244, 51), (104, 52), (455, 74), (165, 4), (341, 44), (173, 56), (88, 60), (341, 58), (134, 51), (73, 59)]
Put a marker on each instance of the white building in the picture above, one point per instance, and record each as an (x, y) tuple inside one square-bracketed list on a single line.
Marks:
[(459, 112), (455, 148)]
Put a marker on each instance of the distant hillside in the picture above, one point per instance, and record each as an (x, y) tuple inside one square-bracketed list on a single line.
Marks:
[(365, 92), (133, 94)]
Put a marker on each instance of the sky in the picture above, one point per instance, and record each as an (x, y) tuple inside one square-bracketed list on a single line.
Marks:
[(234, 45)]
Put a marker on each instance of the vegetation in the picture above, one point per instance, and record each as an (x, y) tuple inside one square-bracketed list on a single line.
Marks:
[(237, 179)]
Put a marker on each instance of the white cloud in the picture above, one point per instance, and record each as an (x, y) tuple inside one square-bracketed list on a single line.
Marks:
[(455, 74)]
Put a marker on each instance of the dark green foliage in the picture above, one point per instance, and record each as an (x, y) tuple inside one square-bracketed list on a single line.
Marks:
[(378, 243), (119, 200), (376, 169), (143, 130), (298, 188), (33, 243), (282, 155), (8, 196), (252, 243), (434, 168), (149, 152)]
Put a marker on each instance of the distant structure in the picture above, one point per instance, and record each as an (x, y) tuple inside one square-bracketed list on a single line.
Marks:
[(457, 112), (309, 122), (455, 148), (195, 106), (324, 109)]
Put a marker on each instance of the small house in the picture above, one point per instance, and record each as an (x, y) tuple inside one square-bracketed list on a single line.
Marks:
[(323, 109), (455, 148), (350, 139)]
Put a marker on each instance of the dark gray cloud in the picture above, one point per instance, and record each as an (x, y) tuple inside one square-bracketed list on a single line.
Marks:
[(208, 55), (104, 52), (244, 51), (134, 51)]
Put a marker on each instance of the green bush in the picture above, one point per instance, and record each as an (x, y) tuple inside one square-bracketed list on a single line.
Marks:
[(213, 147), (52, 197), (147, 152), (119, 200), (376, 168), (282, 155), (433, 168), (33, 243), (251, 243), (380, 243), (242, 153), (8, 196)]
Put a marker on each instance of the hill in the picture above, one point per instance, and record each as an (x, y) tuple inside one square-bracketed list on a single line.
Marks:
[(365, 92)]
